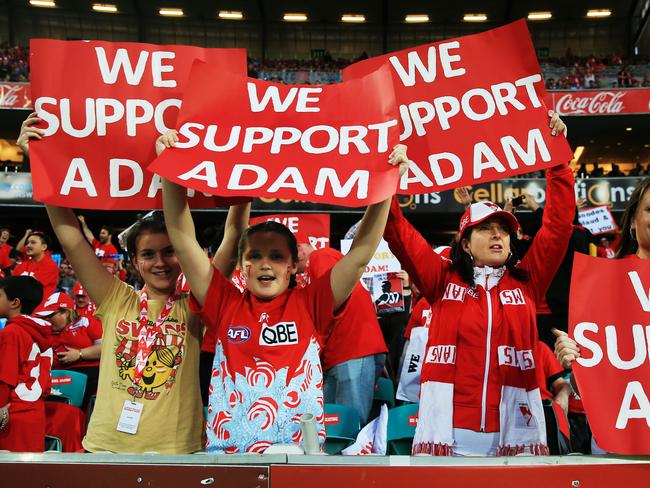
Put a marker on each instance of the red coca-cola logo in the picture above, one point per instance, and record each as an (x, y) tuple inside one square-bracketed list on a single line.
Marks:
[(605, 102)]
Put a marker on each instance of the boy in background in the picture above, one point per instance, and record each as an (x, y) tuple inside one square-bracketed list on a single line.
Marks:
[(25, 367)]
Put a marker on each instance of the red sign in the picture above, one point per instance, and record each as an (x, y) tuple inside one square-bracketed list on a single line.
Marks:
[(104, 104), (15, 95), (600, 102), (413, 420), (310, 228), (61, 380), (471, 108), (327, 144), (608, 316)]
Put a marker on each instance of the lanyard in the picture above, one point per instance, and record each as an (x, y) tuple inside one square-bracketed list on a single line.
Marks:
[(147, 335)]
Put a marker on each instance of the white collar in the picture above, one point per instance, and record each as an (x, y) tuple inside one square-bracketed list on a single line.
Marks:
[(487, 276)]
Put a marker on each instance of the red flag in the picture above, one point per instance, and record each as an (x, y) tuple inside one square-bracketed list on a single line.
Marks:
[(608, 317), (472, 109), (104, 104)]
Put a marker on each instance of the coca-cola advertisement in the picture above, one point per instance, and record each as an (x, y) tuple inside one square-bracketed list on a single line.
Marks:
[(15, 95), (600, 102)]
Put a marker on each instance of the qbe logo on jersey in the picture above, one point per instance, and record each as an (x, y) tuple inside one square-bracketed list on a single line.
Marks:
[(238, 334), (280, 334)]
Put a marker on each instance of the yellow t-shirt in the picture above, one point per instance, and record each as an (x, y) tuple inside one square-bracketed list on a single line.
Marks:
[(172, 417)]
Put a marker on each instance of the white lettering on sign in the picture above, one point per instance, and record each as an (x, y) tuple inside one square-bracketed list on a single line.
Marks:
[(122, 64), (634, 395)]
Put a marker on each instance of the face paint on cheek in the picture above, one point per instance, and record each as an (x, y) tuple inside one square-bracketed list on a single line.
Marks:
[(247, 272)]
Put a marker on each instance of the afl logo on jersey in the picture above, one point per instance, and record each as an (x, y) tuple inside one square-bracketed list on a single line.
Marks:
[(238, 334)]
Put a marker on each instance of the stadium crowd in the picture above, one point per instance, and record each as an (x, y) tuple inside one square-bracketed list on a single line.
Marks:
[(566, 73)]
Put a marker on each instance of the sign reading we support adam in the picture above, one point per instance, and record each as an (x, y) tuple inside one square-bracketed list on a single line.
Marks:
[(326, 144), (471, 109), (609, 315), (103, 105)]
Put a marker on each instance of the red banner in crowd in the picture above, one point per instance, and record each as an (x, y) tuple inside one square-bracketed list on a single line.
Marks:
[(471, 108), (608, 318), (311, 228), (326, 144), (15, 95), (600, 102), (104, 104)]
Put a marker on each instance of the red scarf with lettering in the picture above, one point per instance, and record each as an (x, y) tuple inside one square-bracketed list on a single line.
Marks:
[(522, 425)]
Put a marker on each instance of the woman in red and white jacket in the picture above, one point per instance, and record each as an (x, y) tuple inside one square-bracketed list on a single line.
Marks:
[(479, 394)]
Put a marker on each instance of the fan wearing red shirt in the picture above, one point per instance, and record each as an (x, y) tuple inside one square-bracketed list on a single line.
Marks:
[(5, 249), (102, 246), (38, 263), (25, 366), (352, 357), (83, 305), (76, 340), (266, 371)]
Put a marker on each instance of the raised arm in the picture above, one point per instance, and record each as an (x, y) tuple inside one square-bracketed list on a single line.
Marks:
[(347, 272), (180, 226), (88, 234), (550, 244), (92, 275), (225, 258), (20, 246)]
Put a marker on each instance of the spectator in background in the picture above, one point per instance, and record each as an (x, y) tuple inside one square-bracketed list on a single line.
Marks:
[(76, 340), (582, 172), (83, 305), (37, 261), (103, 246), (67, 277), (638, 170), (604, 250), (5, 249), (352, 356), (616, 171), (598, 171), (624, 78), (25, 366)]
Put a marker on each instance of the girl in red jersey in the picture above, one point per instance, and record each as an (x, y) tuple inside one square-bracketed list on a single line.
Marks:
[(266, 371), (479, 394)]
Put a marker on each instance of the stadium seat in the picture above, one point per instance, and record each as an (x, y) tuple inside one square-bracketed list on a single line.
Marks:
[(385, 392), (401, 428), (70, 385), (341, 426), (52, 444)]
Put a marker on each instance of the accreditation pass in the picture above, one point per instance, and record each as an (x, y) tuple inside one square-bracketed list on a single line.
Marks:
[(130, 417)]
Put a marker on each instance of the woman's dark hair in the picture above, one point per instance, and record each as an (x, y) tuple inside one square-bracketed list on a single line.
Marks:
[(271, 226), (462, 263), (629, 244), (154, 224)]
